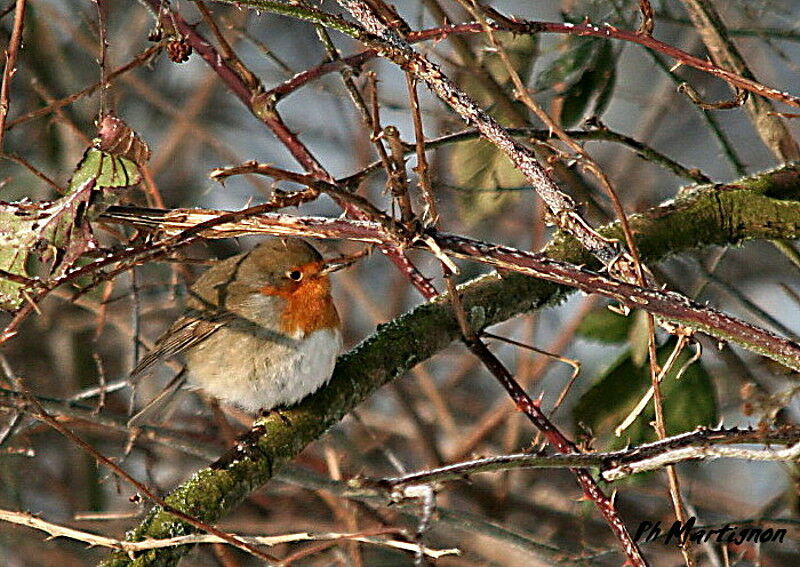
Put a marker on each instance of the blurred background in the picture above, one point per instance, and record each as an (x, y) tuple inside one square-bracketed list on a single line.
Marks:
[(448, 408)]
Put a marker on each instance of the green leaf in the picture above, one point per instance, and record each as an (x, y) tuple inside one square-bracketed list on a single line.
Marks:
[(107, 170), (688, 402), (605, 93), (569, 67), (62, 227), (596, 82), (13, 257), (605, 326)]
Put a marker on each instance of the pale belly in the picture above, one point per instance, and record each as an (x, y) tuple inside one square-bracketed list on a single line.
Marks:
[(255, 372)]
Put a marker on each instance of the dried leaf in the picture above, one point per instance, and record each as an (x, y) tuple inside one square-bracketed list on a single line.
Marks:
[(480, 169), (59, 231)]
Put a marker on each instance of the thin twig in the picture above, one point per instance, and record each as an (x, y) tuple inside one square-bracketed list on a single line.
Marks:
[(530, 27), (534, 413), (771, 128), (137, 61), (10, 69), (41, 413), (702, 444), (56, 530), (430, 215), (668, 305)]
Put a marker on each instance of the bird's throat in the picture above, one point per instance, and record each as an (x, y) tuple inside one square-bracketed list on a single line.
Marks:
[(308, 306)]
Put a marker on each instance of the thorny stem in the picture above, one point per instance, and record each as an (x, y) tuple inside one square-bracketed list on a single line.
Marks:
[(709, 118), (670, 306), (563, 445), (389, 44), (771, 128), (243, 85), (247, 88), (397, 49), (132, 255), (529, 27), (633, 458), (373, 364), (534, 413), (11, 52), (608, 31)]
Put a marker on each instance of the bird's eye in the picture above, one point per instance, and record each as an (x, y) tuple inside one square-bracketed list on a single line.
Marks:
[(295, 275)]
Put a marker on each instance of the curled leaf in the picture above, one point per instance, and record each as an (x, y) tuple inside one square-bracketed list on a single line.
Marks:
[(59, 231)]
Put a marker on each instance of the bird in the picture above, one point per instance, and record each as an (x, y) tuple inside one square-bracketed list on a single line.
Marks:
[(260, 330)]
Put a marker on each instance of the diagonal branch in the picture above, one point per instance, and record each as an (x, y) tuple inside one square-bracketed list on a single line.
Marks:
[(752, 208), (10, 68), (251, 93), (690, 218)]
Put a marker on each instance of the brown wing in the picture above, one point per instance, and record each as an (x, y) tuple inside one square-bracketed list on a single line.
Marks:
[(189, 330)]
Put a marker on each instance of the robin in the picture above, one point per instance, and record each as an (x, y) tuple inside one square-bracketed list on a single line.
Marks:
[(260, 329)]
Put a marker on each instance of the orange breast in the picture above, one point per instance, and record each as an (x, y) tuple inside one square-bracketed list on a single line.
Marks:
[(309, 305)]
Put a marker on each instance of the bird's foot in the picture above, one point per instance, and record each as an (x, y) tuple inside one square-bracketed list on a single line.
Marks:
[(264, 413)]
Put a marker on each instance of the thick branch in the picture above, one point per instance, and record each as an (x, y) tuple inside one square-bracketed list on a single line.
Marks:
[(753, 208)]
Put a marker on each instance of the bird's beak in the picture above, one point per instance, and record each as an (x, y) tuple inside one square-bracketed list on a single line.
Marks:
[(336, 264)]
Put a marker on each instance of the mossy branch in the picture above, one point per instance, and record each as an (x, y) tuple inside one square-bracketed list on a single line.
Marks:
[(764, 206)]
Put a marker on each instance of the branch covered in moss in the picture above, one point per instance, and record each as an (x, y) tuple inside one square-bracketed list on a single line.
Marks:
[(761, 207)]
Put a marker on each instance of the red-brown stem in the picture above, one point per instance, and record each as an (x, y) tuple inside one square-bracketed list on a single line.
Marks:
[(610, 32), (11, 65), (258, 106), (590, 488), (304, 77), (668, 305), (400, 52), (697, 439), (533, 27), (262, 106), (534, 413)]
